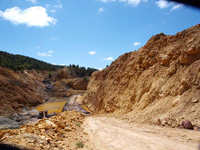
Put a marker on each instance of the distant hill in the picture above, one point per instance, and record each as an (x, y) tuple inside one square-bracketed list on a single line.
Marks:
[(19, 63)]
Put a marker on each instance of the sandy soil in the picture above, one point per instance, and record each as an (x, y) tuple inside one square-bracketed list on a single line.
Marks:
[(113, 134)]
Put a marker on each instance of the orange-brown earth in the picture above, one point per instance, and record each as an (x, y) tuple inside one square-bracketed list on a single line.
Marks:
[(61, 132), (158, 84), (27, 89), (19, 90), (63, 85)]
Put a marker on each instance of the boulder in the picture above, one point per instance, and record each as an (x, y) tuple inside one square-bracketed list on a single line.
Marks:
[(187, 124), (80, 84)]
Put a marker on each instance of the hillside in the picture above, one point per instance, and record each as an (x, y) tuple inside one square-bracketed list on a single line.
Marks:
[(158, 84), (19, 63), (18, 91), (26, 82)]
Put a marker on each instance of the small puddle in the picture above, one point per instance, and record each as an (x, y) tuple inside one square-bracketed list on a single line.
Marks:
[(51, 107), (31, 115)]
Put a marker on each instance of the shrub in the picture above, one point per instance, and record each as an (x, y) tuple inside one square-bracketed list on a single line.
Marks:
[(80, 144)]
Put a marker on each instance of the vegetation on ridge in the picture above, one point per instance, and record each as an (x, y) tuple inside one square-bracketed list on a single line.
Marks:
[(19, 63), (76, 71)]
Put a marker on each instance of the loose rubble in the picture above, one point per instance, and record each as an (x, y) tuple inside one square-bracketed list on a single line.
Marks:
[(59, 132)]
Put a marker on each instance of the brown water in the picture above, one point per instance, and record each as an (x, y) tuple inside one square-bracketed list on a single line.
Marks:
[(51, 107)]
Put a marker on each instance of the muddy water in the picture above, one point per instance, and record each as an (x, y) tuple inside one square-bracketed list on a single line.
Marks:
[(51, 107)]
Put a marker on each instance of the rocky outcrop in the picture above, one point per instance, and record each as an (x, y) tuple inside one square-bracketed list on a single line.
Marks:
[(160, 81), (63, 74), (68, 87), (80, 84), (18, 91)]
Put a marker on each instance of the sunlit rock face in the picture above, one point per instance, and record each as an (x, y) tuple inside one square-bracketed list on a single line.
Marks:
[(19, 90), (157, 82)]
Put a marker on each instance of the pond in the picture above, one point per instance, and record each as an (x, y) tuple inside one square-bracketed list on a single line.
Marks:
[(52, 107)]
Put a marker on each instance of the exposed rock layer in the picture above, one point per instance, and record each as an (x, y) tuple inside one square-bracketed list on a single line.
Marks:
[(160, 81), (19, 90), (68, 87)]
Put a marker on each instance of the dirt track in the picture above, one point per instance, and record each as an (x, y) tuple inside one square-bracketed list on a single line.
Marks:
[(113, 134)]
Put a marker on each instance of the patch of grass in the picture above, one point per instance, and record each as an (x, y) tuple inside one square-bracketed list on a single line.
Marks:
[(80, 144), (86, 78), (78, 124)]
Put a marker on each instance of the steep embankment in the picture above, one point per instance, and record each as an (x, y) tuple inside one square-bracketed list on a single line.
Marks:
[(159, 83), (18, 91)]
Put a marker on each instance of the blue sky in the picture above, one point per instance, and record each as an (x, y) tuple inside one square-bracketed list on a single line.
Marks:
[(90, 33)]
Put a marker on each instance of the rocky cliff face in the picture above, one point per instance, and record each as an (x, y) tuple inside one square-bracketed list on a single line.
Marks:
[(159, 82), (64, 85), (68, 87)]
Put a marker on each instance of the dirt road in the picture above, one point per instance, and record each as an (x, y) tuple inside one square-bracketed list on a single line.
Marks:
[(113, 134), (73, 105)]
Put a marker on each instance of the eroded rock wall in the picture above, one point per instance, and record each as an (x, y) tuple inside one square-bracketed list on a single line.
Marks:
[(18, 91), (160, 80)]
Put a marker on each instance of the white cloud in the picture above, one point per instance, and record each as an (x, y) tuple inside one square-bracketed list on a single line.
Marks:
[(33, 16), (50, 52), (53, 63), (133, 2), (99, 68), (62, 65), (105, 1), (58, 6), (165, 4), (101, 10), (176, 7), (47, 5), (109, 58), (53, 10), (136, 44), (44, 54), (162, 4), (54, 38), (33, 1), (130, 2), (92, 52)]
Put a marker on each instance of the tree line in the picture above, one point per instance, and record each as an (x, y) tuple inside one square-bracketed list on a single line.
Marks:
[(20, 63), (77, 71)]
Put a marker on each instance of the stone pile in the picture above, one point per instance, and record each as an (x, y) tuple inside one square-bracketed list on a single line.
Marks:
[(56, 133)]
